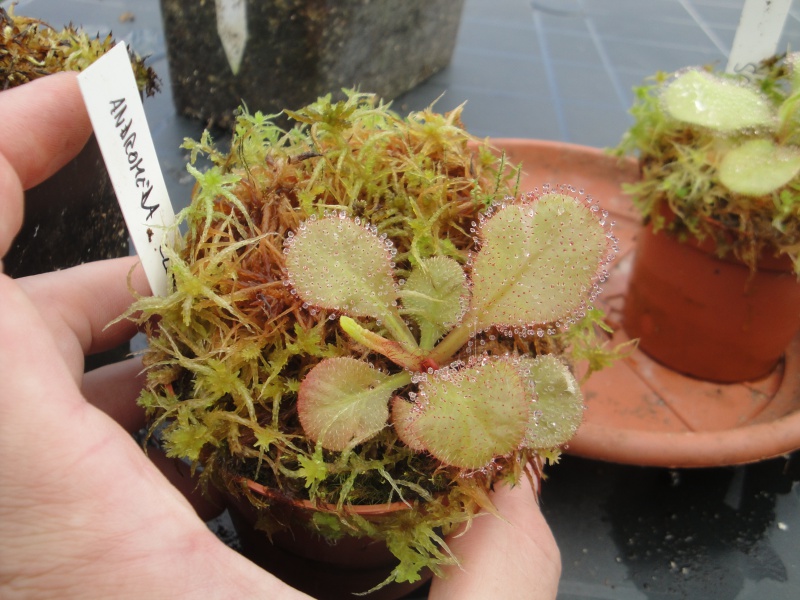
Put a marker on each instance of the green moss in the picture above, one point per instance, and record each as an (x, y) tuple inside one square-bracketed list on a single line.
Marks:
[(585, 344)]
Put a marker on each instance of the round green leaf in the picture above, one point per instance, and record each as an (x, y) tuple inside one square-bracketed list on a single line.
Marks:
[(338, 265), (343, 401), (435, 291), (557, 404), (720, 104), (758, 167), (467, 417), (537, 262)]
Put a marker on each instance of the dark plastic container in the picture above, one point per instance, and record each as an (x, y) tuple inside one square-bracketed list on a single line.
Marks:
[(298, 50)]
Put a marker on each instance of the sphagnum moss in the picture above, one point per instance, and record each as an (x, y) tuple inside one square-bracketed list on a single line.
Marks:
[(361, 263), (31, 49)]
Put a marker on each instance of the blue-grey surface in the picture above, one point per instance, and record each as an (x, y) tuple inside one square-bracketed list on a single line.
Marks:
[(564, 70)]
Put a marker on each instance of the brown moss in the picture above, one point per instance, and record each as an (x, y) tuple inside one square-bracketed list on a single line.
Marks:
[(32, 49)]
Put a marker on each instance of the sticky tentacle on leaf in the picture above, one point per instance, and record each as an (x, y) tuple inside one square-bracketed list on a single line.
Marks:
[(557, 401), (339, 265), (469, 416), (537, 264), (433, 296)]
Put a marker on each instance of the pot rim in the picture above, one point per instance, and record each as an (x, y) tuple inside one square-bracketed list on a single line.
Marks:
[(355, 509), (766, 261)]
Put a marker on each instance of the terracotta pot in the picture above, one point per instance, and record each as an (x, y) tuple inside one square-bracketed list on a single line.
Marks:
[(307, 561), (708, 317)]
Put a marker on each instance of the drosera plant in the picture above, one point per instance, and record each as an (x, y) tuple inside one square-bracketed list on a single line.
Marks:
[(721, 152), (366, 310), (537, 257)]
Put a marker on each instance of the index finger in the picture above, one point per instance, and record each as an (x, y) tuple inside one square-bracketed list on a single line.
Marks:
[(44, 125), (78, 303)]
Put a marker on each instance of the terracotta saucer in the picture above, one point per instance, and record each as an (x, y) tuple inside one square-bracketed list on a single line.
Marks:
[(638, 411)]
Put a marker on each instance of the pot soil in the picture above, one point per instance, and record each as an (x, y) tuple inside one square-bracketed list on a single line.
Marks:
[(298, 50), (304, 559), (707, 317), (70, 219)]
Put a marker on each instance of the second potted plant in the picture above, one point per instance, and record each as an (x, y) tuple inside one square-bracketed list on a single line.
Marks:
[(73, 217), (714, 291)]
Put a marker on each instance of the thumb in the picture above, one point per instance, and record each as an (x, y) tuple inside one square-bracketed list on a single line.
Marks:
[(511, 557)]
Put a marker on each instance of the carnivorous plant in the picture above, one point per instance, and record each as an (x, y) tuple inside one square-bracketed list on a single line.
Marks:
[(365, 309), (722, 153)]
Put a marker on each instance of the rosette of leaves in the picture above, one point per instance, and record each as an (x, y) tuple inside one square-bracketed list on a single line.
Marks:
[(534, 259), (721, 153), (365, 310), (31, 49)]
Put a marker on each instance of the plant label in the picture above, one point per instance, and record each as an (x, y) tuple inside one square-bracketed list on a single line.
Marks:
[(115, 109), (760, 28), (232, 30)]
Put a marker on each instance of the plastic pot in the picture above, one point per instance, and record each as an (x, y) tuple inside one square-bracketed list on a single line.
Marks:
[(293, 51), (328, 570), (71, 218)]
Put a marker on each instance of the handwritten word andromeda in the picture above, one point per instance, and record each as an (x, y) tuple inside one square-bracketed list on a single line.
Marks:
[(128, 137)]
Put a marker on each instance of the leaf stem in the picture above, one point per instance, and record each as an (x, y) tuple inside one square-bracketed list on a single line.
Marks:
[(455, 340), (408, 358), (400, 331), (428, 334)]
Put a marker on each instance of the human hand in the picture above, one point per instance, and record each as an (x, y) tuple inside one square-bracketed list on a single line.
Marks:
[(83, 512), (513, 558)]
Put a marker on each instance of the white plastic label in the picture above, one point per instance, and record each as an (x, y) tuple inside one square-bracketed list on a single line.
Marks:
[(760, 28), (232, 30), (117, 115)]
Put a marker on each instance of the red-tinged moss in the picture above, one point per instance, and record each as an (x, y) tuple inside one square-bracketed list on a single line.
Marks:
[(30, 49)]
